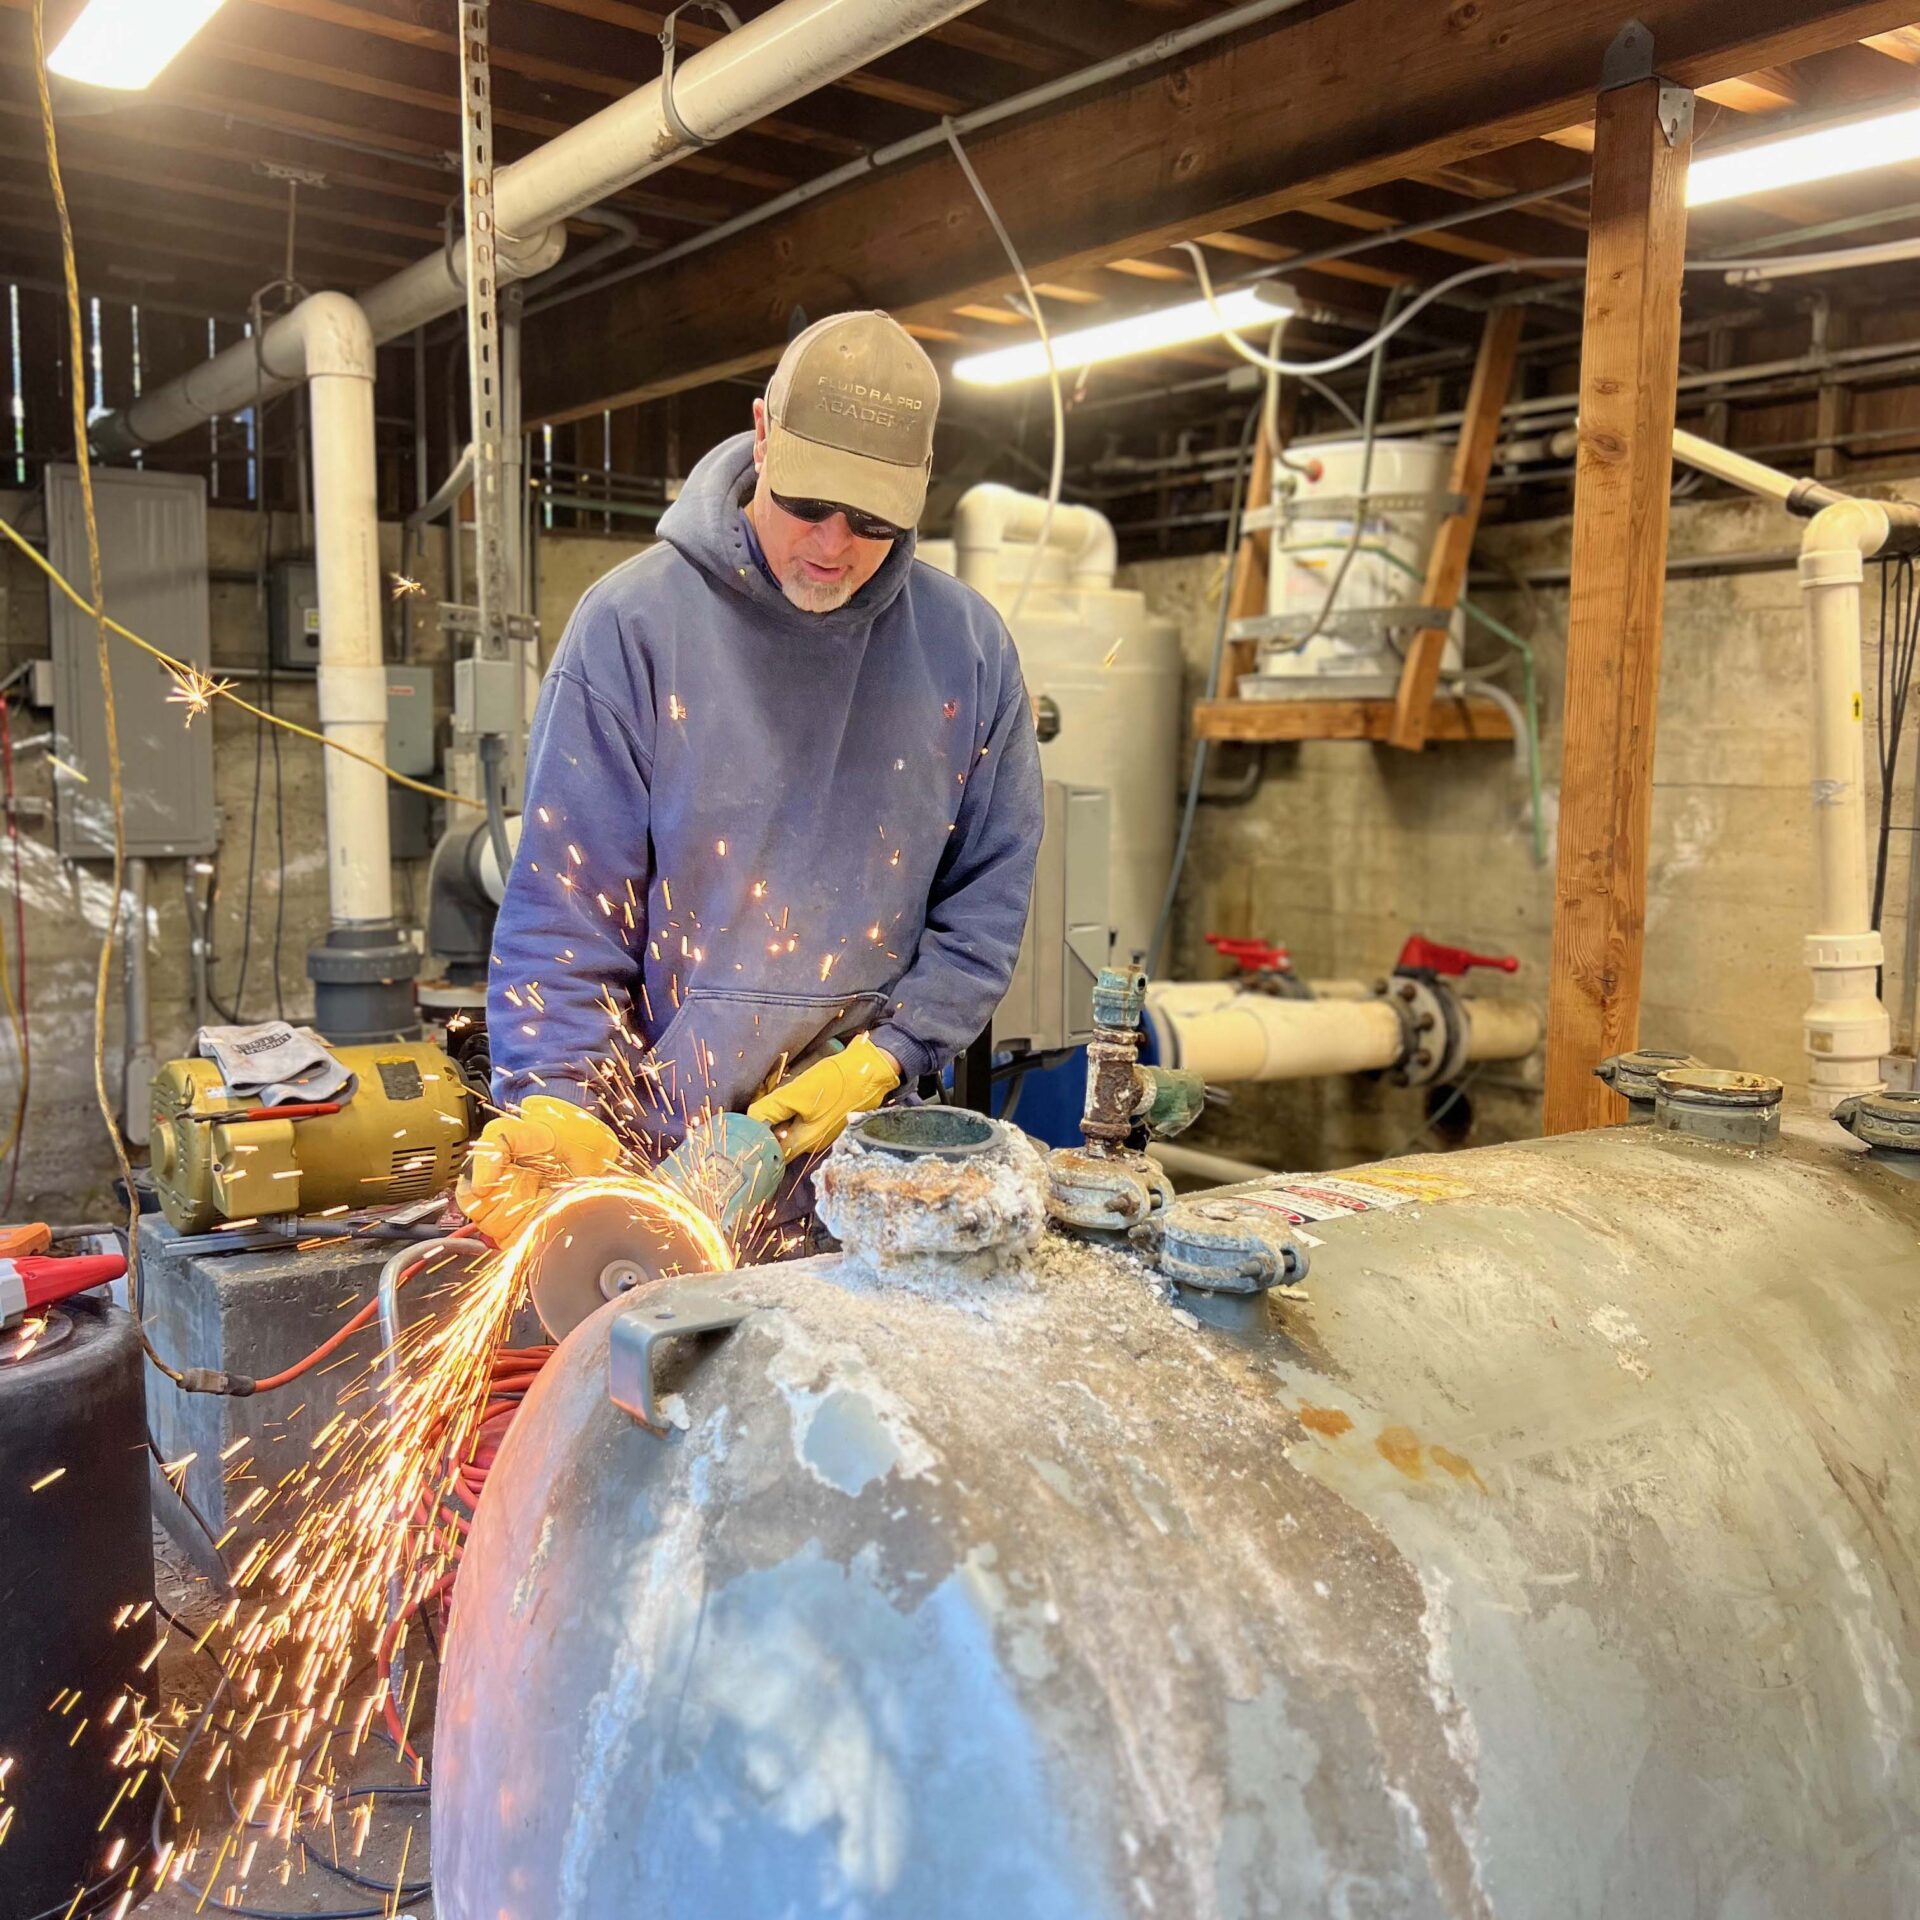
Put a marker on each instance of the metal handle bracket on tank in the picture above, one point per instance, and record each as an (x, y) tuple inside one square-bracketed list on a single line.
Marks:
[(666, 1313)]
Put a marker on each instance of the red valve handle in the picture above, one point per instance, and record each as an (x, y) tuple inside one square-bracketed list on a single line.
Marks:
[(1251, 956), (47, 1280), (1421, 955)]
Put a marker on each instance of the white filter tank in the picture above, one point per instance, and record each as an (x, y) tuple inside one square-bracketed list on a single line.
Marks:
[(1358, 654), (1111, 671)]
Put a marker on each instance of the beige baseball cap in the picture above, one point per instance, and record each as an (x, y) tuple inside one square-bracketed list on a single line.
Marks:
[(850, 413)]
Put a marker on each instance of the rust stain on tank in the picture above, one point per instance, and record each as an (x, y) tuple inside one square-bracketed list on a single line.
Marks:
[(1329, 1421), (1400, 1448), (1458, 1465)]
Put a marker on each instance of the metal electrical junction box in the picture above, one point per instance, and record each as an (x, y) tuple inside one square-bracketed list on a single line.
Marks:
[(153, 553), (293, 616), (410, 750), (1049, 1003)]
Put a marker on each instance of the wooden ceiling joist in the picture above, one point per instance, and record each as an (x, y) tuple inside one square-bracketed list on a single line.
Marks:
[(1239, 131)]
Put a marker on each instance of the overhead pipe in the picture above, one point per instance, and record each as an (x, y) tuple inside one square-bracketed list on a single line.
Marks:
[(760, 67), (1150, 53), (990, 517)]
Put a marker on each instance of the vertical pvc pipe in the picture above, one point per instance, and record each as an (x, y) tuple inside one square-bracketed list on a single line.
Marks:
[(352, 677), (1847, 1029)]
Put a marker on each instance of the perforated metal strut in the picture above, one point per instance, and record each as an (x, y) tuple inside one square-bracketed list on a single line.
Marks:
[(483, 329)]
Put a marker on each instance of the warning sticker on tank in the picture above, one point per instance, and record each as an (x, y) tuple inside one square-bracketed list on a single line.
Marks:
[(1309, 1197)]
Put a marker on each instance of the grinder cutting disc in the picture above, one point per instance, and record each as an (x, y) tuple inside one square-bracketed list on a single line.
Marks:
[(597, 1247)]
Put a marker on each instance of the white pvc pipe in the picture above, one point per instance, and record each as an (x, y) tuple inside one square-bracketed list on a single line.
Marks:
[(1734, 468), (337, 353), (1226, 1034), (1502, 1029), (1847, 1029), (1256, 1036), (757, 69), (1197, 1164), (990, 518)]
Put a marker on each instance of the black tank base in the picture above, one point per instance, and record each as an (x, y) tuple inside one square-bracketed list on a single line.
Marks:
[(76, 1594)]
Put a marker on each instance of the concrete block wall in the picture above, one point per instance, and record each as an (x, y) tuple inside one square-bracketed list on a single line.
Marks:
[(1348, 848), (67, 1168)]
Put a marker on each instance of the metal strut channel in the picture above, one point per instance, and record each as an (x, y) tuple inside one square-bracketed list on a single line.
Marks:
[(483, 328)]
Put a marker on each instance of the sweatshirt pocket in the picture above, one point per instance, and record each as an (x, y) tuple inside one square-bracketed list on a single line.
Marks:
[(721, 1048)]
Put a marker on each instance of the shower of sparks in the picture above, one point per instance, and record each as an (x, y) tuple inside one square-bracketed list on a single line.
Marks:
[(403, 588), (192, 689), (355, 1541)]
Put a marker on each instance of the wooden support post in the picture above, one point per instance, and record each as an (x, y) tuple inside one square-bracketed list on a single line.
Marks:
[(1453, 543), (1246, 590), (1629, 364)]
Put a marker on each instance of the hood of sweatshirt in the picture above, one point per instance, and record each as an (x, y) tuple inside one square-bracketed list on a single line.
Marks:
[(705, 525)]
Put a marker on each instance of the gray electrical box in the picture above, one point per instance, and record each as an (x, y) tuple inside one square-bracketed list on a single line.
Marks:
[(293, 616), (153, 554), (410, 750), (1049, 1002), (410, 747)]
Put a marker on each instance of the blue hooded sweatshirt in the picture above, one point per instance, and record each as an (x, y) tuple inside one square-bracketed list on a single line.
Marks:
[(751, 830)]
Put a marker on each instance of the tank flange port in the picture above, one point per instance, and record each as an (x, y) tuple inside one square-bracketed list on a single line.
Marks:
[(1888, 1121), (1635, 1076), (1220, 1244), (1714, 1103), (911, 1187), (1104, 1192)]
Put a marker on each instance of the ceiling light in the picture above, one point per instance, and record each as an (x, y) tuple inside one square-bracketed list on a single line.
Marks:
[(1239, 308), (127, 43), (1796, 159)]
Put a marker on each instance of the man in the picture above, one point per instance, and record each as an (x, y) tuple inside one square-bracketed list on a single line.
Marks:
[(782, 805)]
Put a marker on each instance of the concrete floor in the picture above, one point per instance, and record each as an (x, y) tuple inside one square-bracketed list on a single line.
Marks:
[(310, 1890)]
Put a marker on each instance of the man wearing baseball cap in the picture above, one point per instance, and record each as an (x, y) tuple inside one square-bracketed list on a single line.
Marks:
[(782, 803)]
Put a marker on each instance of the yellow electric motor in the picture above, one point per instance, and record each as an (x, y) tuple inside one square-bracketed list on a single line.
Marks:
[(399, 1138)]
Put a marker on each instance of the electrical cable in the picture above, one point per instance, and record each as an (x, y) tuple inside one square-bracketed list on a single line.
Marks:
[(1197, 773), (218, 690), (18, 1008), (492, 750), (1057, 470), (1369, 422), (97, 608), (1835, 262), (1439, 1113), (1899, 644)]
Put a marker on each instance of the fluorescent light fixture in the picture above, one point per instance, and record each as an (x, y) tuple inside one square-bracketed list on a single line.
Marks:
[(1239, 308), (1796, 159), (127, 43)]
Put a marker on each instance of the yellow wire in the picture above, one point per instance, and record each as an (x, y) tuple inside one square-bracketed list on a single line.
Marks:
[(97, 606), (181, 667)]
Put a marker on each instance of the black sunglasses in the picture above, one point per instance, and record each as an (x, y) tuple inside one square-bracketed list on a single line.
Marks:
[(864, 526)]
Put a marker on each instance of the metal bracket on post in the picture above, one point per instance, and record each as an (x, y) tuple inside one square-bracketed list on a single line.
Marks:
[(662, 1314), (1629, 60)]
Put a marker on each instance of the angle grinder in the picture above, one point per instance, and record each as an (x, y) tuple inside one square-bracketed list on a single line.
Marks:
[(600, 1245)]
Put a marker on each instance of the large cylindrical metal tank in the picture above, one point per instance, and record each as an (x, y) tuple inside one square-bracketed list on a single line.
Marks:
[(1114, 673), (1554, 1556), (77, 1622)]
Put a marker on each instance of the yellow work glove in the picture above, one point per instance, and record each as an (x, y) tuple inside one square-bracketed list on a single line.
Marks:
[(808, 1111), (520, 1157)]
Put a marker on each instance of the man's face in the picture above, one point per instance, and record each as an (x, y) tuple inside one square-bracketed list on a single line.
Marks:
[(820, 565)]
